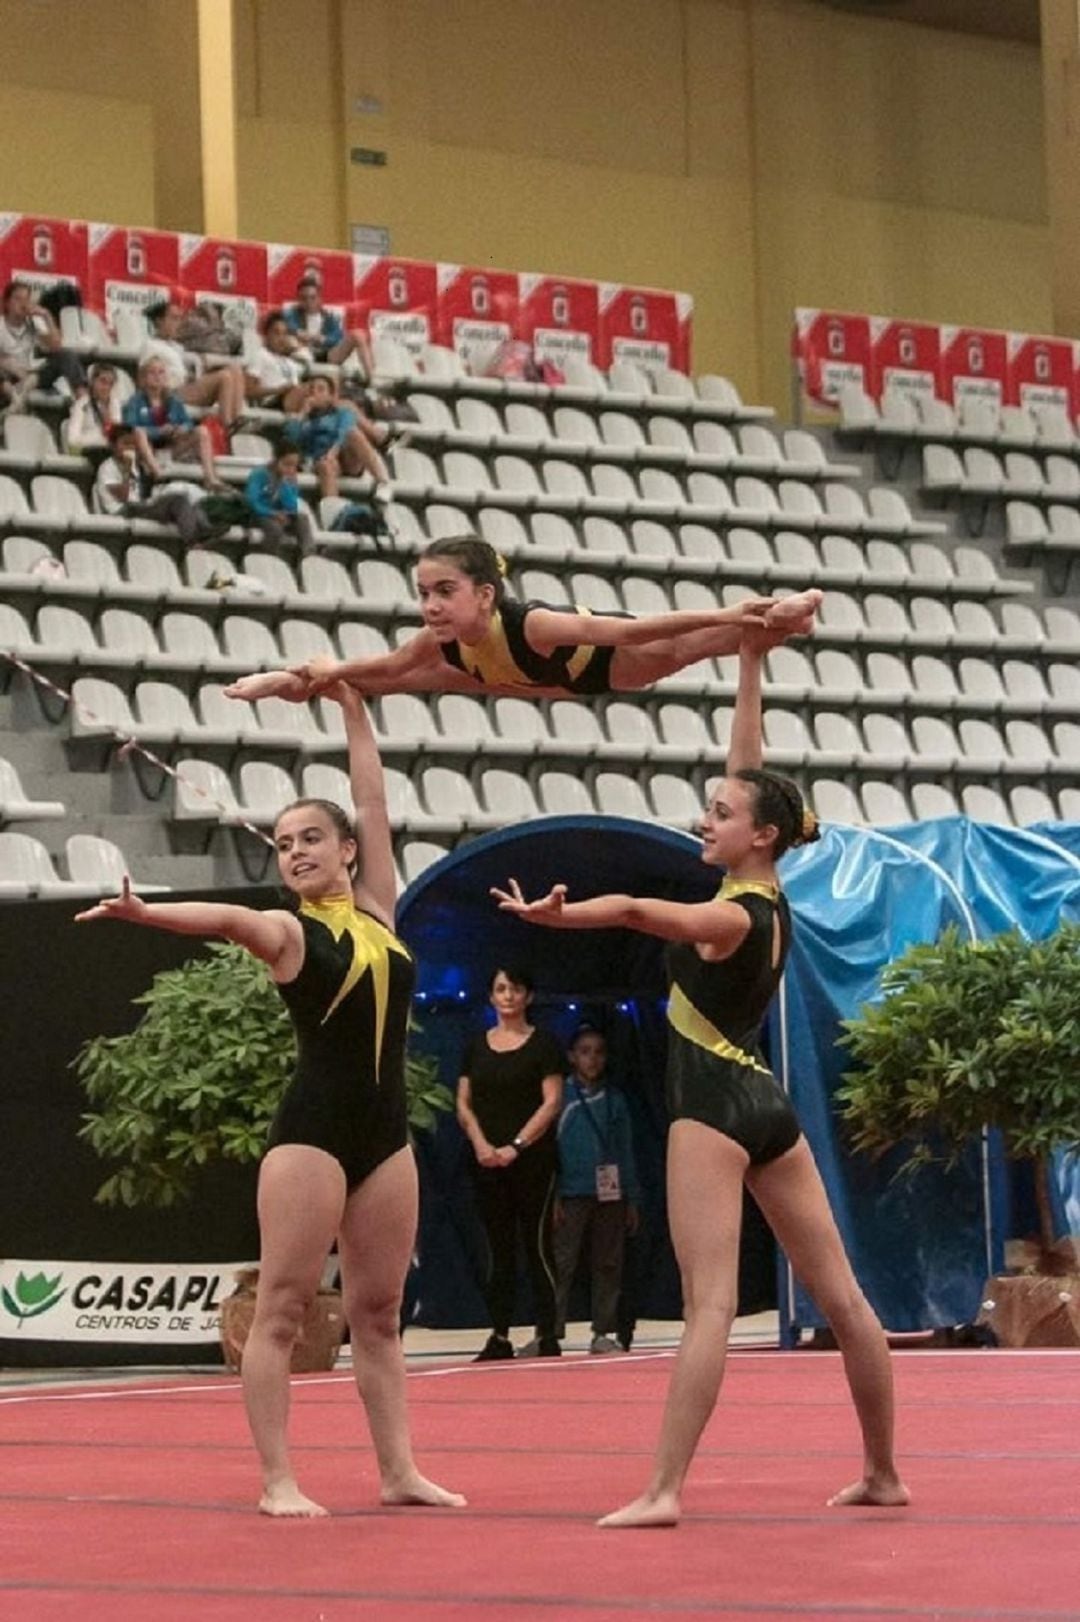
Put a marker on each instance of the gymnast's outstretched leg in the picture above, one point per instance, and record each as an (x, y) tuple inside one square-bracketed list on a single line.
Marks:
[(635, 667)]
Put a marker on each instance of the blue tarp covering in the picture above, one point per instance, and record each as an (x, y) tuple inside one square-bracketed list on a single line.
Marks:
[(860, 897)]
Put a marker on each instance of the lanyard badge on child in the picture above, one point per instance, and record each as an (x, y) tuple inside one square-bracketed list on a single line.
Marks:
[(608, 1180)]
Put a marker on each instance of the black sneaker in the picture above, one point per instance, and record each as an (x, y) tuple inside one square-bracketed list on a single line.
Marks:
[(548, 1346), (496, 1350)]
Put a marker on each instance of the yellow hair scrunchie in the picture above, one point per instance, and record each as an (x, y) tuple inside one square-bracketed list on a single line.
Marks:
[(810, 823), (500, 564)]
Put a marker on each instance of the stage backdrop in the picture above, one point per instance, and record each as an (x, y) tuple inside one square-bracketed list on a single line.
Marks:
[(88, 1284)]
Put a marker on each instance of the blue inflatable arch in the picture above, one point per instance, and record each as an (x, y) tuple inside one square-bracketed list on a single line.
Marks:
[(860, 897)]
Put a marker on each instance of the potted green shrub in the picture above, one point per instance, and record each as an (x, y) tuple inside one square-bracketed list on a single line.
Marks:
[(198, 1081), (971, 1035)]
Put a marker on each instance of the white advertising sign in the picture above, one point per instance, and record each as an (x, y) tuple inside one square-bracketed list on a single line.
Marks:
[(177, 1303)]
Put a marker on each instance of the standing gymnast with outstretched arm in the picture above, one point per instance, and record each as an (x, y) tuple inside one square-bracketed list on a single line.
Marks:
[(476, 638), (731, 1120), (338, 1163)]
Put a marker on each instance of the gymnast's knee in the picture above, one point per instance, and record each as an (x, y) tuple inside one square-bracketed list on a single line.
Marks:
[(374, 1317), (848, 1312), (279, 1313)]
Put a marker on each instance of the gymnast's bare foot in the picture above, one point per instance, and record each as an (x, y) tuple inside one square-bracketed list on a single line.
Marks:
[(881, 1491), (269, 684), (415, 1489), (794, 614), (284, 1498), (651, 1509)]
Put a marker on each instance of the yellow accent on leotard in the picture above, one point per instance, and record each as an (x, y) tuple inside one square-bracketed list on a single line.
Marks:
[(734, 887), (691, 1023), (372, 945), (490, 659)]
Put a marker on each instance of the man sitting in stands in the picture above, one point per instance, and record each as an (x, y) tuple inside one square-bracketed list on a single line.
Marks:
[(31, 354), (320, 331), (273, 378)]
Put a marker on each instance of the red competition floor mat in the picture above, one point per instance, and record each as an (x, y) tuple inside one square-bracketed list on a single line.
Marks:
[(136, 1501)]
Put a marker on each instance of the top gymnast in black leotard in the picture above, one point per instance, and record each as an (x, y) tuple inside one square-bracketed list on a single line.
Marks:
[(731, 1121), (337, 1164), (505, 660), (476, 638)]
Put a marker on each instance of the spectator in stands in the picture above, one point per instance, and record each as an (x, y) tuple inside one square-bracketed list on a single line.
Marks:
[(330, 437), (338, 1165), (94, 413), (31, 354), (273, 500), (320, 331), (163, 424), (120, 480), (124, 488), (273, 378), (223, 387), (597, 1187), (508, 1099)]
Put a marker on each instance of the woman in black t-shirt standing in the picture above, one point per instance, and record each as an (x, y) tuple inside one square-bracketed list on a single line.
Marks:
[(508, 1101)]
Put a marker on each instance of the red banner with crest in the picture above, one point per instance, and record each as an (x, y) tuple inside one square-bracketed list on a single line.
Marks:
[(39, 250), (559, 317), (1041, 371), (287, 266), (232, 274), (831, 348), (396, 298), (131, 269), (478, 311), (639, 325), (904, 357), (974, 365)]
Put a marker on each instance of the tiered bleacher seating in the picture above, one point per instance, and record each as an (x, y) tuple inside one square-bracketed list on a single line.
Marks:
[(940, 680)]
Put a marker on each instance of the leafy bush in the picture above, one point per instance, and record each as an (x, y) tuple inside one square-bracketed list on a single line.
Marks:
[(199, 1078), (970, 1034)]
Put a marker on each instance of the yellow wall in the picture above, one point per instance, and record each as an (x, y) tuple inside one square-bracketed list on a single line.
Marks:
[(47, 165), (99, 111), (898, 170), (756, 153)]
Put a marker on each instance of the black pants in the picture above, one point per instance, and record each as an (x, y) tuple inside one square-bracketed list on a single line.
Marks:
[(512, 1199), (62, 363)]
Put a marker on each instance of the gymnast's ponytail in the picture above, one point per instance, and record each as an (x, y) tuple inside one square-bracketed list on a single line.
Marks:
[(779, 802)]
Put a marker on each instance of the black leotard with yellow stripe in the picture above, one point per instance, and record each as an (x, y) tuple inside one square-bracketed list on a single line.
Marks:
[(715, 1070), (350, 1008), (504, 658)]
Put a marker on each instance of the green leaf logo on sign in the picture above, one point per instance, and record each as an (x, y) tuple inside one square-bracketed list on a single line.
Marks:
[(32, 1296)]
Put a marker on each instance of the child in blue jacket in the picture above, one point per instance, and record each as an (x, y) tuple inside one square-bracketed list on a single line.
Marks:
[(329, 435), (597, 1187), (272, 497)]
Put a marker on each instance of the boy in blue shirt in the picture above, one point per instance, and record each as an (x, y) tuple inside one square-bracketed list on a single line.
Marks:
[(273, 501), (330, 436), (597, 1187)]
